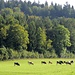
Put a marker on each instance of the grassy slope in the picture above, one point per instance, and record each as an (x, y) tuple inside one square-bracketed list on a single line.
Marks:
[(8, 68)]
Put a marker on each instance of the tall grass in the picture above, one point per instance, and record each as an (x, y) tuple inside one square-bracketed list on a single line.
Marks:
[(8, 68)]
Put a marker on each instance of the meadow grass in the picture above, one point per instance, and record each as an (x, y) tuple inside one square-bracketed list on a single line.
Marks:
[(8, 68)]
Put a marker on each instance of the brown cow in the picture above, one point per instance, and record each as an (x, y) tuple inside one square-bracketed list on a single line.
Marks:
[(50, 62), (29, 62)]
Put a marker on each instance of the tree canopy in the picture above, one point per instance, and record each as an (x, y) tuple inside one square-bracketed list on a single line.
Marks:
[(34, 30)]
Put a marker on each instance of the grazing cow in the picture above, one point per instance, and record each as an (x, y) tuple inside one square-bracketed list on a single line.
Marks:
[(43, 62), (67, 62), (29, 62), (60, 62), (16, 63), (50, 62), (72, 61)]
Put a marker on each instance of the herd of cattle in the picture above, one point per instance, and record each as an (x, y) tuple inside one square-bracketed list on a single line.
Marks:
[(50, 62), (65, 62)]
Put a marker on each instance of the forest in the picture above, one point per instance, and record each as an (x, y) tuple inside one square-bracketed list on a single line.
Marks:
[(34, 30)]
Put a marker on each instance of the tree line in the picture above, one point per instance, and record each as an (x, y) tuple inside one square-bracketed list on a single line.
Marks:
[(44, 10), (29, 35)]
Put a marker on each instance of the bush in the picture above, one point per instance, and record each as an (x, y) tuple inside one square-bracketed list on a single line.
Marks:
[(16, 55), (10, 53), (51, 54), (13, 54), (67, 55), (26, 54), (47, 54), (3, 54), (41, 56)]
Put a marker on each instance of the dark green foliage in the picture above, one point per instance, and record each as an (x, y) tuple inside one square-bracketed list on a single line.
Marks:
[(3, 54), (26, 54), (17, 37), (48, 54), (44, 10), (32, 36), (61, 38)]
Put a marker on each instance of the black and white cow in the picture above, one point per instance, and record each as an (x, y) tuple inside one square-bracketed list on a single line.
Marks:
[(16, 63), (43, 62)]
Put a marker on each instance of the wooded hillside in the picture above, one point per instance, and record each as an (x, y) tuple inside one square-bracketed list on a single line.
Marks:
[(33, 30)]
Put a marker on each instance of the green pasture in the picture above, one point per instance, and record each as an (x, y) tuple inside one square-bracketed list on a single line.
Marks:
[(8, 68)]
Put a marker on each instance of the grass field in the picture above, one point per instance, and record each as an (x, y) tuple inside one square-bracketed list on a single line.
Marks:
[(8, 68)]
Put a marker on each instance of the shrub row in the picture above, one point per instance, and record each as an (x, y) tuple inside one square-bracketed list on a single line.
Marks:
[(6, 54)]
